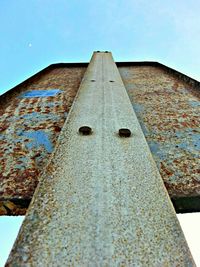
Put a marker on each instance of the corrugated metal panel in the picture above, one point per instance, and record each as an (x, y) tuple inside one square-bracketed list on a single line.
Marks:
[(168, 109)]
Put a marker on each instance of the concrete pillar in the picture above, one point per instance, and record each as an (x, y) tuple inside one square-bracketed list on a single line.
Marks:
[(101, 200)]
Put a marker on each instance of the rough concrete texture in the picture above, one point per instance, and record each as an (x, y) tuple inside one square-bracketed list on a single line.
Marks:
[(31, 120), (168, 110), (101, 200)]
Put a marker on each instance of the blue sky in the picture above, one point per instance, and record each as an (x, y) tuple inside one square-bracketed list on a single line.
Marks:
[(36, 33), (9, 226)]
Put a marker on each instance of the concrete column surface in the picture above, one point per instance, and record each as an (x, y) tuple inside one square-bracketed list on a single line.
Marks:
[(101, 200)]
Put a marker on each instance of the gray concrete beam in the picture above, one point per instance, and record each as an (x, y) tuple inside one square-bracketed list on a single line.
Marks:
[(101, 200)]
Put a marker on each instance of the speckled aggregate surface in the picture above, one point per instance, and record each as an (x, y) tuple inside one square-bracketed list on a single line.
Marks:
[(101, 200)]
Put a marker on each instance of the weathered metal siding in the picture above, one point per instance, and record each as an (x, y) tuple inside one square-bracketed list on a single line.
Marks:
[(168, 109), (30, 124), (166, 105)]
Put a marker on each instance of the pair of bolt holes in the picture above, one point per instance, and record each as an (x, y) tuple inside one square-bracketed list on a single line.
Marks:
[(109, 81), (102, 51), (86, 130)]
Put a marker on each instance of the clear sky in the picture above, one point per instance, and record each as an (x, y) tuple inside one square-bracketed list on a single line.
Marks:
[(36, 33)]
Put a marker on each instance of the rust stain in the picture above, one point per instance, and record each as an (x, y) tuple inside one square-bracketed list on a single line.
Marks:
[(168, 109), (29, 128)]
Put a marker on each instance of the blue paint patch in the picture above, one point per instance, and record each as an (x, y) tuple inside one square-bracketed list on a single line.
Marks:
[(196, 141), (158, 150), (39, 138), (194, 104), (191, 143), (138, 108), (40, 93), (125, 73), (31, 115), (36, 116), (154, 147), (3, 137)]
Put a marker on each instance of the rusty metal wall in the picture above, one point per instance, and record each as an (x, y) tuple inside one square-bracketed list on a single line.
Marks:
[(166, 104), (168, 109), (32, 117)]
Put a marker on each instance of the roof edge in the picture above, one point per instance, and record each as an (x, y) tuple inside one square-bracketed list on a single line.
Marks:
[(178, 74)]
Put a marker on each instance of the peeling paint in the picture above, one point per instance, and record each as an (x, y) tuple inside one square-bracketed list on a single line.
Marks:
[(168, 110), (40, 93), (37, 139), (166, 106), (30, 124)]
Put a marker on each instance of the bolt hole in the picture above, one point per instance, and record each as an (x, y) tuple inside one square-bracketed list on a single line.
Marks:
[(111, 81), (93, 80), (85, 130), (124, 132), (106, 52)]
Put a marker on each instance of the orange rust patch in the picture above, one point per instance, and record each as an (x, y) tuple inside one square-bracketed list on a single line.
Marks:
[(24, 124)]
